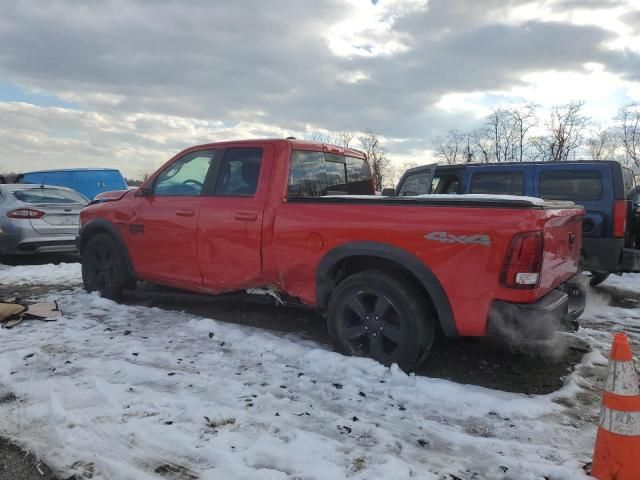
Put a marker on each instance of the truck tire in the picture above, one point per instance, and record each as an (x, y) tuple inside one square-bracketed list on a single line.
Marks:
[(381, 316), (597, 278), (104, 269)]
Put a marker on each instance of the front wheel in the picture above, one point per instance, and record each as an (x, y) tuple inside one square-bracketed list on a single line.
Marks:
[(381, 316), (104, 269)]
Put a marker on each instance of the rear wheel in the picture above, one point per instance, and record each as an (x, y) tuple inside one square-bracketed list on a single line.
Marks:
[(381, 316), (104, 269), (597, 278)]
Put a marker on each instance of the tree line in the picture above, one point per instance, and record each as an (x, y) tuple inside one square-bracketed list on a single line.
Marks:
[(520, 133)]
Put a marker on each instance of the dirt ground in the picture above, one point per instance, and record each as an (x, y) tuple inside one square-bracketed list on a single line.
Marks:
[(15, 464)]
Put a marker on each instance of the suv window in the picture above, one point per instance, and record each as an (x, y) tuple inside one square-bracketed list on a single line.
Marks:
[(445, 184), (498, 183), (571, 185), (416, 184), (239, 172), (185, 176), (314, 174)]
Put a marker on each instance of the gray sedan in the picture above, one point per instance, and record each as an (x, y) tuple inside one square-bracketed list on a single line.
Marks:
[(38, 218)]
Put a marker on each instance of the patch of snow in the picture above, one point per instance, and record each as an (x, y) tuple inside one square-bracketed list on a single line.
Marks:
[(626, 281), (62, 274), (483, 196)]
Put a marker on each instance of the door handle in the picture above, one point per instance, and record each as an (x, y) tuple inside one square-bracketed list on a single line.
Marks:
[(245, 216), (185, 212)]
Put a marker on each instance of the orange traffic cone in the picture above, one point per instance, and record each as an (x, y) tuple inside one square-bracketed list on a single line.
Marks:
[(617, 451)]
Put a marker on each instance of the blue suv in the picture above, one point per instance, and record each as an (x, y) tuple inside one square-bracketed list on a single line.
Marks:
[(88, 181), (606, 189)]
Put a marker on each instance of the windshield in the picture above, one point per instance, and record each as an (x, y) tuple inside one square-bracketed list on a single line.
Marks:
[(49, 195)]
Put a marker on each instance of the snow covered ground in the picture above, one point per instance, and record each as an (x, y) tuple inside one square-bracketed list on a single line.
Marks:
[(63, 274), (131, 392)]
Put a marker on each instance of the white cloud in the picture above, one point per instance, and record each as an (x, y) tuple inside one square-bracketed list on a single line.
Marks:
[(150, 78)]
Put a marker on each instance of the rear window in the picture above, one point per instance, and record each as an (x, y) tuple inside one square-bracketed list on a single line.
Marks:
[(572, 185), (314, 174), (48, 195), (498, 183)]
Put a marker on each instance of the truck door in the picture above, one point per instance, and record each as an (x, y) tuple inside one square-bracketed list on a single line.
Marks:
[(230, 224), (162, 230)]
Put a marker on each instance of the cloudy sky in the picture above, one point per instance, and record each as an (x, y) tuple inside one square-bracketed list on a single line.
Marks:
[(128, 83)]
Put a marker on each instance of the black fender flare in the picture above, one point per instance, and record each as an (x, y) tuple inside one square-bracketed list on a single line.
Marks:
[(100, 225), (325, 284)]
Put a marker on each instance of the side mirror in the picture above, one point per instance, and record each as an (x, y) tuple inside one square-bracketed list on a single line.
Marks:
[(388, 192), (143, 192)]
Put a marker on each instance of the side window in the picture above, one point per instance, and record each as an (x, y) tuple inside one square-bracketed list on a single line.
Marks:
[(239, 172), (445, 184), (498, 183), (572, 185), (185, 176), (416, 184)]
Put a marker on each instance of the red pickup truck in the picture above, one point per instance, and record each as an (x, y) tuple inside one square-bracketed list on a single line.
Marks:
[(302, 218)]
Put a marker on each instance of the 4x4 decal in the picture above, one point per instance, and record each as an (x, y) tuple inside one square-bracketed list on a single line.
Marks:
[(444, 237)]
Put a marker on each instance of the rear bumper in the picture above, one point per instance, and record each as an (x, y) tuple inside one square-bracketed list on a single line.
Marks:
[(14, 245), (556, 311)]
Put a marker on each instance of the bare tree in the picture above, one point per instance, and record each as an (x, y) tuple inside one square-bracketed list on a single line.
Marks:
[(629, 128), (538, 148), (398, 169), (482, 144), (344, 138), (449, 148), (523, 119), (500, 124), (565, 131), (602, 144), (377, 155), (321, 137), (341, 138)]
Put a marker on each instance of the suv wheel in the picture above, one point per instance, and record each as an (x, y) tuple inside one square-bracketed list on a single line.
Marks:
[(597, 278), (381, 316), (104, 269)]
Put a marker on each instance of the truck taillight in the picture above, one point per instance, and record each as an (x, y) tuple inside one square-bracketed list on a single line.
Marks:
[(523, 261), (619, 218), (25, 213)]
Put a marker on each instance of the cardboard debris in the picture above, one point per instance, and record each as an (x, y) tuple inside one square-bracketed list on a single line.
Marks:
[(8, 310), (47, 311), (12, 312)]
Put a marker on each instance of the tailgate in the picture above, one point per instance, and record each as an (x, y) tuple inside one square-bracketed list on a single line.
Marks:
[(562, 245)]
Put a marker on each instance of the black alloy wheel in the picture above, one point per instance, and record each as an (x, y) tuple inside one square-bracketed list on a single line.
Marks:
[(381, 316), (103, 268)]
